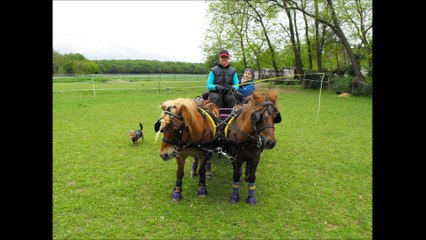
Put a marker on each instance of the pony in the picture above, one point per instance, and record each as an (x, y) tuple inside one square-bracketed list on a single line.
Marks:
[(249, 131), (188, 130)]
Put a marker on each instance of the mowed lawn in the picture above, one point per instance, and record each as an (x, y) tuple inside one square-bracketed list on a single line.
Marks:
[(316, 183)]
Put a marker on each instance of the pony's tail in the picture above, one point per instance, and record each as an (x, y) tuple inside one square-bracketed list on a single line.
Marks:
[(140, 124)]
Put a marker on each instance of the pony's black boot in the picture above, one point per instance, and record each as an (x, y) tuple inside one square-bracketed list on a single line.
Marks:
[(194, 166), (177, 193), (202, 191), (235, 196), (251, 192), (209, 173)]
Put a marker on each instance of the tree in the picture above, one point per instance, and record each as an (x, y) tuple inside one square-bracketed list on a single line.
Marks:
[(293, 38), (259, 17), (308, 40), (333, 23), (57, 62), (317, 38)]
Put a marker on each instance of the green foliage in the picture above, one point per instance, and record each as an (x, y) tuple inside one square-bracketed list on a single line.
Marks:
[(363, 89), (342, 84), (76, 63), (228, 18), (349, 85)]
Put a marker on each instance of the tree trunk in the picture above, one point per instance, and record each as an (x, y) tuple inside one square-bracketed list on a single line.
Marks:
[(271, 48), (337, 60), (308, 41), (345, 42), (317, 39), (300, 63), (293, 43), (243, 50), (258, 67), (265, 32)]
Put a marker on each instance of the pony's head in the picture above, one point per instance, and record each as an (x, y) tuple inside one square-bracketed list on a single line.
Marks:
[(176, 125), (264, 115)]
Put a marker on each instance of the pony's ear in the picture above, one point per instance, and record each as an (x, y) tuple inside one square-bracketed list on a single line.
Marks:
[(273, 95), (163, 106), (257, 96)]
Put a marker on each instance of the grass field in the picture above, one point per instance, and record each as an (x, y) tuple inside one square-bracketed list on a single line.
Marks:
[(315, 184)]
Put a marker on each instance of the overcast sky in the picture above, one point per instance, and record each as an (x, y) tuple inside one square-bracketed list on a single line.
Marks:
[(160, 30)]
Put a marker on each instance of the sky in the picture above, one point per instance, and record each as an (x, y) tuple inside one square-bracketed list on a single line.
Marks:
[(152, 30)]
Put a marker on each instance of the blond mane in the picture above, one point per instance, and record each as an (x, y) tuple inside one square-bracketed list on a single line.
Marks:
[(180, 106)]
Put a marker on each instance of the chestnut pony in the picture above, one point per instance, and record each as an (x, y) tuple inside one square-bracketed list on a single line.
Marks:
[(249, 132), (188, 130)]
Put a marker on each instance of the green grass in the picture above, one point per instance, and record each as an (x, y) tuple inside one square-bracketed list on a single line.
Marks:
[(144, 85), (71, 78), (316, 183)]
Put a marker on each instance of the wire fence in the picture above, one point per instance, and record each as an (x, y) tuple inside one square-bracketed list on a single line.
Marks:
[(159, 82), (101, 82)]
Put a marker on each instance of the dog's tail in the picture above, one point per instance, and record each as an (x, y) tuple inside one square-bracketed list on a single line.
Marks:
[(140, 124)]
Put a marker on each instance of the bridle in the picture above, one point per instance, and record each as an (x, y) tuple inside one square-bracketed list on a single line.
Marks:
[(178, 142), (256, 116), (178, 129)]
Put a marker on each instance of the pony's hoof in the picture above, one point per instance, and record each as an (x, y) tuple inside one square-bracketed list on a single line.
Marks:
[(209, 175), (176, 196), (235, 197), (202, 192), (193, 174), (251, 200)]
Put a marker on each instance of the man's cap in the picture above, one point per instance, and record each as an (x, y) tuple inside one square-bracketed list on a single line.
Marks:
[(223, 53)]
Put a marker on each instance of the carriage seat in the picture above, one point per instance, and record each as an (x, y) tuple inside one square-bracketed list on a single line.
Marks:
[(224, 113)]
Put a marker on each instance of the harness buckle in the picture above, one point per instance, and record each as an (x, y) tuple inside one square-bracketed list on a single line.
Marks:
[(259, 141)]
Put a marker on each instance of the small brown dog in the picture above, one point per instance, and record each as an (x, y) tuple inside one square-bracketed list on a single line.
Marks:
[(137, 134)]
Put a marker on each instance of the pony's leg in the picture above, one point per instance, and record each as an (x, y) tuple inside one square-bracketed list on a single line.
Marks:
[(209, 173), (247, 171), (194, 167), (235, 195), (251, 199), (202, 190), (177, 193)]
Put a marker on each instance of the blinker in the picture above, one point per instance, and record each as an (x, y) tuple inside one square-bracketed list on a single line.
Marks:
[(157, 126)]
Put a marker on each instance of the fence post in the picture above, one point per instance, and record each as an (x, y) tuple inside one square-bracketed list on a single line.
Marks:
[(93, 84), (319, 97), (158, 84)]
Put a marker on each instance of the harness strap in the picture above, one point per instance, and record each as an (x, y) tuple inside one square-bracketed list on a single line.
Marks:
[(227, 126), (211, 120)]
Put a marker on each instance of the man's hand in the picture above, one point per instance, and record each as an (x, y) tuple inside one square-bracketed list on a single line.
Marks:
[(219, 88)]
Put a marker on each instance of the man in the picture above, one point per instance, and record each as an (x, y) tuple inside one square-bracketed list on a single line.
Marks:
[(222, 82)]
